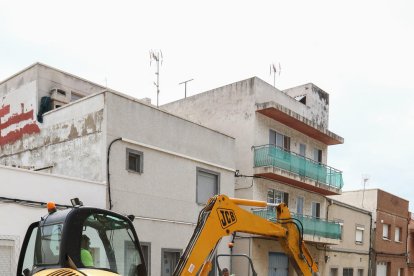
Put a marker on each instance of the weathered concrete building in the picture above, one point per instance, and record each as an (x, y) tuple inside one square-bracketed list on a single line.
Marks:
[(282, 141), (154, 165), (351, 255), (389, 229)]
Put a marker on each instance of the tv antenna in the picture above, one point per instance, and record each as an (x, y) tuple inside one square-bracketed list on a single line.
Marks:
[(156, 55), (185, 86), (365, 180), (275, 69)]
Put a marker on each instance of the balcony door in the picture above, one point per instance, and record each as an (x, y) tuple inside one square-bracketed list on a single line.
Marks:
[(316, 209), (279, 140)]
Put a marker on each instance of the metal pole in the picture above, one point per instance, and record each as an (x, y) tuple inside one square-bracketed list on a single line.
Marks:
[(158, 77), (185, 86)]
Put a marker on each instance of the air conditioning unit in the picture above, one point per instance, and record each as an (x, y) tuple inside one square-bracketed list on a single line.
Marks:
[(59, 97)]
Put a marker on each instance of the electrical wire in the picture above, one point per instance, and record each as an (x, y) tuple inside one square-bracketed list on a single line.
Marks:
[(30, 203)]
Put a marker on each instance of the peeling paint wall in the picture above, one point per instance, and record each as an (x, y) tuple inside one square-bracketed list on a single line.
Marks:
[(317, 102), (69, 140), (72, 145), (18, 114)]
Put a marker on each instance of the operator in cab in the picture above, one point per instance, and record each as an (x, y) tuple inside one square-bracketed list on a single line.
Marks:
[(86, 255)]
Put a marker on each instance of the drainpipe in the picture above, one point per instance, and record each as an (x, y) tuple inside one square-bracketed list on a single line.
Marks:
[(406, 239), (370, 261), (330, 202), (108, 178)]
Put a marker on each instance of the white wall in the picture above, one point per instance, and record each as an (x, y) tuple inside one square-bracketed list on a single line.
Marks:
[(163, 196), (35, 186)]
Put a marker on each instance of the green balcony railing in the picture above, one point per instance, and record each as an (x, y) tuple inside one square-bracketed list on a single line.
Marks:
[(311, 225), (270, 155)]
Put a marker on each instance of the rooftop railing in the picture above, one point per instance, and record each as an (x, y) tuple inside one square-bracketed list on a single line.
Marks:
[(311, 225), (271, 155)]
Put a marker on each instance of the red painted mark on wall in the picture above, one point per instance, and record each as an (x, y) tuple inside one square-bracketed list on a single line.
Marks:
[(23, 124), (4, 110)]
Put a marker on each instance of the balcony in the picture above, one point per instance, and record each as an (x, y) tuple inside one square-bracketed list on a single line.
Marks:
[(293, 120), (314, 229), (278, 164)]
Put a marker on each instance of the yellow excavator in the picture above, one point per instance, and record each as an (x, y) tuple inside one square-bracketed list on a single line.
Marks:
[(63, 242)]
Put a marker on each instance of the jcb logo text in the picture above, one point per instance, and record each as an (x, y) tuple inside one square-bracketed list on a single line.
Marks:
[(227, 217)]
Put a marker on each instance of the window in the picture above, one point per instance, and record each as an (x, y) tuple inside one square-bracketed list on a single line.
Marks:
[(359, 234), (277, 197), (279, 140), (348, 271), (397, 236), (299, 205), (111, 244), (6, 257), (207, 185), (333, 272), (341, 225), (360, 272), (50, 243), (316, 209), (400, 272), (169, 260), (386, 231), (134, 161), (30, 256), (302, 150), (317, 155)]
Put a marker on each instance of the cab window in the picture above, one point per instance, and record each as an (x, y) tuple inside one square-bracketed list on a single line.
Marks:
[(108, 243)]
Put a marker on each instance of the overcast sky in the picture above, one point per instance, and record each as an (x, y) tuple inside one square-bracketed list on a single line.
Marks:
[(360, 52)]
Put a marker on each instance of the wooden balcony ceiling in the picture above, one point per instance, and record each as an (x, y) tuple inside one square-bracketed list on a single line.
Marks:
[(321, 189), (293, 120)]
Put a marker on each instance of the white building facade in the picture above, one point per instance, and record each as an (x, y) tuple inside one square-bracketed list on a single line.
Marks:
[(23, 199), (152, 164)]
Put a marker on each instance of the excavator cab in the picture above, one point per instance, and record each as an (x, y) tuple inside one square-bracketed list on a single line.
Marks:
[(81, 239)]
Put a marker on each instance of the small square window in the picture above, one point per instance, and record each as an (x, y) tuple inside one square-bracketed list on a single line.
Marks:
[(386, 231), (134, 161), (397, 235), (169, 260), (359, 234)]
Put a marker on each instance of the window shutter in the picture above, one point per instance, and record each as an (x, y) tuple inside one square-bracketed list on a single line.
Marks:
[(286, 143), (358, 234), (272, 137), (206, 186), (286, 199)]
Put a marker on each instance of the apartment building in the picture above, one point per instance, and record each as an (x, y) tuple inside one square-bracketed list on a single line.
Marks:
[(389, 229), (152, 163), (410, 246), (282, 140), (351, 255)]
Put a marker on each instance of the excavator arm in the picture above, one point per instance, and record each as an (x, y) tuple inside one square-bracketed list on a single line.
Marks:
[(222, 216)]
